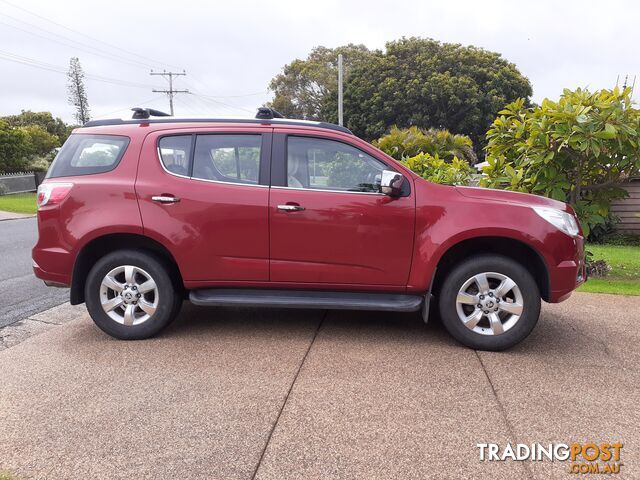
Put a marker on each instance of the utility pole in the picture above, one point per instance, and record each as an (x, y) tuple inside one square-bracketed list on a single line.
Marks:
[(340, 96), (171, 92)]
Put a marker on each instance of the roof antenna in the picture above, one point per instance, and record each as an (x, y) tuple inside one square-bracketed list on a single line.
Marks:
[(266, 113), (143, 113)]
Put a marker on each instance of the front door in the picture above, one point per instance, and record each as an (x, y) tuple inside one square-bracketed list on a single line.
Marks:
[(328, 222), (204, 196)]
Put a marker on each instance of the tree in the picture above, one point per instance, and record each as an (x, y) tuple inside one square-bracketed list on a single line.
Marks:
[(38, 141), (578, 149), (408, 142), (429, 84), (13, 148), (304, 88), (77, 91), (55, 126)]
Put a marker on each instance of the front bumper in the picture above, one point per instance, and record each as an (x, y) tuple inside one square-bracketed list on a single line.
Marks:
[(568, 274)]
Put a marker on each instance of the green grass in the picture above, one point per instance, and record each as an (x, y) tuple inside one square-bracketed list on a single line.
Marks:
[(18, 203), (624, 278)]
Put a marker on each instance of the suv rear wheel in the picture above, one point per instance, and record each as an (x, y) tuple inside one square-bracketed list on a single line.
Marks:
[(489, 302), (130, 295)]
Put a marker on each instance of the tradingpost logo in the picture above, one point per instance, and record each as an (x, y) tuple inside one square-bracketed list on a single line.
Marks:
[(582, 458)]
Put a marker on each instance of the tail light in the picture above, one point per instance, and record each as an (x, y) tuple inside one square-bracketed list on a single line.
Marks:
[(52, 193)]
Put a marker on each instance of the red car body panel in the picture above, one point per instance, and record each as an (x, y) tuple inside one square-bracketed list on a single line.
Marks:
[(218, 231), (224, 234), (98, 205), (341, 238)]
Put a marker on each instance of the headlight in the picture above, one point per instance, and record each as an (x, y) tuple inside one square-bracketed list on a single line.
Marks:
[(561, 220)]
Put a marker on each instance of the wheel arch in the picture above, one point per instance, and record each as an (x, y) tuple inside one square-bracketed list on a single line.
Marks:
[(103, 245), (516, 250)]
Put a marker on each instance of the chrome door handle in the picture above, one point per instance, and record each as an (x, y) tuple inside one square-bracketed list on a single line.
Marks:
[(165, 199), (290, 208)]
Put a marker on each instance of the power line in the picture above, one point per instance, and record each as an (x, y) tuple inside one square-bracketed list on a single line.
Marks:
[(125, 109), (120, 50), (171, 92), (73, 44), (218, 102), (11, 57)]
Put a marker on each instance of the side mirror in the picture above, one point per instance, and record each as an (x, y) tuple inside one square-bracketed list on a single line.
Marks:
[(391, 183)]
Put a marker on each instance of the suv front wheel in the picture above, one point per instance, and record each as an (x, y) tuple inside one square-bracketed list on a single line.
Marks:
[(489, 302), (130, 295)]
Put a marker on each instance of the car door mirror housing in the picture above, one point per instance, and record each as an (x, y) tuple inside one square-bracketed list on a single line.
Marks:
[(391, 183)]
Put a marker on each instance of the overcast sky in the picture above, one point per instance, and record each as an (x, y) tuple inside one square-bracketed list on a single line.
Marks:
[(230, 50)]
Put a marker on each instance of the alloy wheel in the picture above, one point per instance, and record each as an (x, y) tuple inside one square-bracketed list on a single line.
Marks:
[(489, 303), (129, 295)]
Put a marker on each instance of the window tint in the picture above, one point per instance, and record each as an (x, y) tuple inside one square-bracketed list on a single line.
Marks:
[(328, 165), (88, 154), (228, 158), (175, 153)]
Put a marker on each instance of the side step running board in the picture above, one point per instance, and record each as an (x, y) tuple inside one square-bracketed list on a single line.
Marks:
[(306, 299)]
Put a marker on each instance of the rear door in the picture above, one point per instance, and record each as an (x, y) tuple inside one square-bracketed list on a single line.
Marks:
[(204, 194), (329, 224)]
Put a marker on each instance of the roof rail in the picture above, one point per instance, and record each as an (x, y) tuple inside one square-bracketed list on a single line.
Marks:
[(271, 121)]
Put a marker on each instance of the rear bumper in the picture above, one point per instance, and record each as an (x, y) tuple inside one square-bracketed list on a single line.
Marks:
[(50, 278)]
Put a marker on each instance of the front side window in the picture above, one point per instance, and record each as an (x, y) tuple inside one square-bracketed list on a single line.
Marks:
[(175, 153), (88, 154), (228, 158), (322, 164)]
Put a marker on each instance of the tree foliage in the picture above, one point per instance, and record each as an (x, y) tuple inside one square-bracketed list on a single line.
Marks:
[(28, 140), (578, 149), (408, 142), (435, 169), (54, 126), (78, 92), (304, 87), (13, 148), (426, 83)]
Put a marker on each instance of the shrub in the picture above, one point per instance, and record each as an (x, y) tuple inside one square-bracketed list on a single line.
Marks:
[(409, 142), (596, 268), (435, 169), (578, 150)]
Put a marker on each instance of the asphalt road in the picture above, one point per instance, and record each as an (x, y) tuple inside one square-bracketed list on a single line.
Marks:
[(21, 293), (282, 394)]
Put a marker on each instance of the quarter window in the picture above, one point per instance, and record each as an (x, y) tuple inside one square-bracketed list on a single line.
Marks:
[(175, 153), (228, 158), (322, 164), (88, 154)]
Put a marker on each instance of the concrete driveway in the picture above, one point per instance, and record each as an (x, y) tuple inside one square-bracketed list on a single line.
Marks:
[(241, 394)]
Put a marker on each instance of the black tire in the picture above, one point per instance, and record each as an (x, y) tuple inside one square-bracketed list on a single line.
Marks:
[(169, 298), (467, 269)]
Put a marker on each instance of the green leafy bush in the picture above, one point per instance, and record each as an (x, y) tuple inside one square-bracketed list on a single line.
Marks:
[(437, 170), (578, 149), (401, 143)]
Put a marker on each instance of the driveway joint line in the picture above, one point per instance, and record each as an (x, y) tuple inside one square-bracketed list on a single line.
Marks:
[(42, 321), (503, 411), (286, 398)]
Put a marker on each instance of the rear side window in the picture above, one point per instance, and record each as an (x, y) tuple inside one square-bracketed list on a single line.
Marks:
[(88, 154), (175, 153), (228, 158)]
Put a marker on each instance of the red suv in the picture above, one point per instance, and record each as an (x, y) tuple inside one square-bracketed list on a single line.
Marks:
[(136, 215)]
